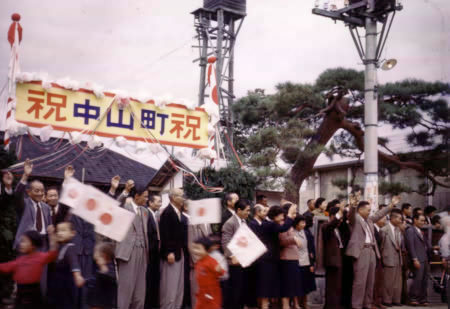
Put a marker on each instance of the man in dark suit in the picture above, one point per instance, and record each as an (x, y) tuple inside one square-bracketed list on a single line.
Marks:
[(171, 229), (8, 226), (379, 278), (333, 253), (407, 213), (59, 212), (364, 249), (308, 214), (419, 250), (429, 214), (152, 297), (234, 287)]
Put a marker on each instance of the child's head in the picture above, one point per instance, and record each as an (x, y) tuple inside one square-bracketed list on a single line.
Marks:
[(29, 242), (216, 242), (202, 246), (65, 232), (104, 253)]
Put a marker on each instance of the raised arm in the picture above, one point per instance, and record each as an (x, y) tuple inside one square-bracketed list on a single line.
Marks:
[(114, 185), (126, 191), (383, 212)]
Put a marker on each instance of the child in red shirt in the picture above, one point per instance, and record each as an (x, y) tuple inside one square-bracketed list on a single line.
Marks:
[(27, 268), (207, 274)]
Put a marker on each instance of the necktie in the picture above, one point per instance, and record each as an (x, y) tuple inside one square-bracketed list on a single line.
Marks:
[(38, 218), (53, 215)]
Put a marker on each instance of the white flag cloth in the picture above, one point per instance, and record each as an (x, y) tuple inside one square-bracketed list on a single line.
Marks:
[(97, 208), (204, 211), (246, 246)]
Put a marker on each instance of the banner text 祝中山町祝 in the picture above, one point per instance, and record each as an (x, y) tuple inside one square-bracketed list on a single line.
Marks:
[(68, 110)]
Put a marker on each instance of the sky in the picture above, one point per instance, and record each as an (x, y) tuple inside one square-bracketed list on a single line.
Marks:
[(145, 45), (122, 44)]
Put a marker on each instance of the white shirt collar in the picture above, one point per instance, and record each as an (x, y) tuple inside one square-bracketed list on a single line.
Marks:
[(56, 208), (392, 227), (257, 220), (233, 212), (135, 207), (238, 218)]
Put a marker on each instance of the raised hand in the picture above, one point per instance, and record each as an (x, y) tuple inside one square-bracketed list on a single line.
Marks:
[(292, 212), (69, 171), (115, 182), (27, 167), (395, 200), (129, 185)]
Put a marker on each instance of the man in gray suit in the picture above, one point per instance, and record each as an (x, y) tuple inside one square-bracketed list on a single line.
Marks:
[(132, 254), (364, 249), (391, 252), (33, 213), (235, 285), (418, 250)]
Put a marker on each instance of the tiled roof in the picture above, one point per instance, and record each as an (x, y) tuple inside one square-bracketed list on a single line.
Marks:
[(99, 166)]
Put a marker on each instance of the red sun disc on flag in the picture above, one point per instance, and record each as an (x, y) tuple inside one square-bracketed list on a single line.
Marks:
[(106, 218), (242, 242), (91, 204), (73, 193), (201, 212)]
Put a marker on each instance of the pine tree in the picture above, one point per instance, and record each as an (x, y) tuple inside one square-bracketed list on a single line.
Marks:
[(281, 135)]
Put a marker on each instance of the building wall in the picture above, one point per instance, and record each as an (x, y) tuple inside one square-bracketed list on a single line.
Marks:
[(440, 200)]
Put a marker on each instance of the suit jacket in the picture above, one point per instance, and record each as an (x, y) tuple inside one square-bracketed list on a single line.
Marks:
[(332, 253), (228, 229), (125, 247), (391, 250), (171, 231), (84, 239), (417, 245), (194, 233), (152, 235), (269, 236), (358, 236), (61, 215), (27, 220), (289, 248)]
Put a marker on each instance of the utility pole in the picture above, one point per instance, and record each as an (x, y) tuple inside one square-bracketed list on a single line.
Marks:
[(371, 115), (367, 14)]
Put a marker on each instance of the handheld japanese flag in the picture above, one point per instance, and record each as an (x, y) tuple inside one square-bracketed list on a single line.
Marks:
[(204, 211), (97, 208), (246, 246)]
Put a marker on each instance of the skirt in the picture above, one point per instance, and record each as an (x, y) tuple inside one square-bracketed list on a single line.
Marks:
[(308, 280), (290, 277), (268, 279)]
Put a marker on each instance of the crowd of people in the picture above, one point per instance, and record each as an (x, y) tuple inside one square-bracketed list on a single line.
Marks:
[(164, 262)]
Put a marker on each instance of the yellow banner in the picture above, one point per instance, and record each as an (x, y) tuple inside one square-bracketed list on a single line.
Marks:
[(68, 110)]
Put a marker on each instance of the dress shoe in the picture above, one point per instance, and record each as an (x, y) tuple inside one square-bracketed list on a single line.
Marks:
[(425, 304), (396, 305), (387, 305), (414, 304)]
